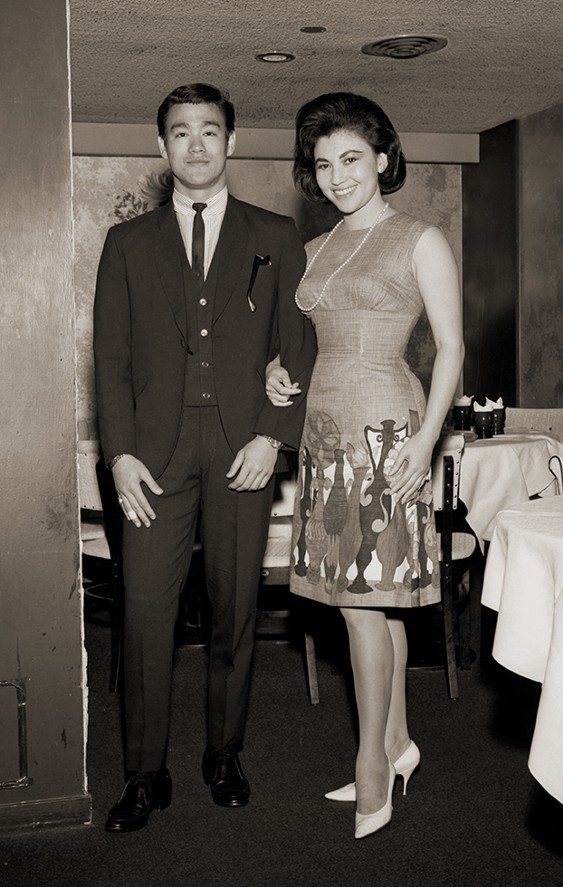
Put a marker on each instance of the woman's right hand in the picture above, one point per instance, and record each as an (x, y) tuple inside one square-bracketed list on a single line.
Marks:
[(279, 386)]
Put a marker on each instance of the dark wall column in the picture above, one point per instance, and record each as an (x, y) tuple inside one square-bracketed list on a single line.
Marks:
[(490, 267), (541, 233), (42, 669)]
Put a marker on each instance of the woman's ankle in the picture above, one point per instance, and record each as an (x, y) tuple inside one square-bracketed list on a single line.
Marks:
[(397, 747)]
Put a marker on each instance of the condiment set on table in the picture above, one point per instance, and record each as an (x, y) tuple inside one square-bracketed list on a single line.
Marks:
[(485, 420)]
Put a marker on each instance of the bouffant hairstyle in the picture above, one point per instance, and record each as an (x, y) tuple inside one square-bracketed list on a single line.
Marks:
[(196, 94), (336, 111)]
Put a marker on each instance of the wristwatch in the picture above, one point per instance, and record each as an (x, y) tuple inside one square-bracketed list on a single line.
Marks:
[(276, 444), (115, 460)]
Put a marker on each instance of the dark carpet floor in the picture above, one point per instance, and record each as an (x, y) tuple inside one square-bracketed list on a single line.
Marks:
[(473, 814)]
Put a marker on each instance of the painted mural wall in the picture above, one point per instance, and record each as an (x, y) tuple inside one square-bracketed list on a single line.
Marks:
[(109, 190), (541, 259)]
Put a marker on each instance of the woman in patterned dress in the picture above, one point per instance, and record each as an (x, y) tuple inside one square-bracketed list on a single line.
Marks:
[(364, 538)]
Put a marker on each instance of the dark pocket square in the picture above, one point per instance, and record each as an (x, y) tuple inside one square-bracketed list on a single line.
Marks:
[(258, 260)]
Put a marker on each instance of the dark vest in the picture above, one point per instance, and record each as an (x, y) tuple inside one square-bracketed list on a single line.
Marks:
[(200, 303)]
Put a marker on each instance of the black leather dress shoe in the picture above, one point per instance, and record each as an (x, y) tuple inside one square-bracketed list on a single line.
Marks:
[(143, 793), (223, 773)]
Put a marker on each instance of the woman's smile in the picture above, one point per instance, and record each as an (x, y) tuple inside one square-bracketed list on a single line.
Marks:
[(344, 192)]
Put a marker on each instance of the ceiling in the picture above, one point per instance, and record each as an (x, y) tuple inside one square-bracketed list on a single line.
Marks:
[(503, 60)]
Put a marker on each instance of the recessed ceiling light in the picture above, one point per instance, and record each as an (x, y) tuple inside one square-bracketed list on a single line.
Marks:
[(404, 46), (274, 57), (313, 29)]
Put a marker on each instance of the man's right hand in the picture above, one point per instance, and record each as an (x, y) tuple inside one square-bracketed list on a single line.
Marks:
[(128, 475)]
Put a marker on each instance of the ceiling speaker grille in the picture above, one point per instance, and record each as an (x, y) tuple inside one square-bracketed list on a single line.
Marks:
[(405, 46)]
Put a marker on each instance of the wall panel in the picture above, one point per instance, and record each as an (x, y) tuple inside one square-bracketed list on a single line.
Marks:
[(490, 267), (42, 776), (541, 259)]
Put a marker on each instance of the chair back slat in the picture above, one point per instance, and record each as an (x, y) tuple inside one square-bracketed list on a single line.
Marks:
[(453, 546), (448, 445), (88, 489)]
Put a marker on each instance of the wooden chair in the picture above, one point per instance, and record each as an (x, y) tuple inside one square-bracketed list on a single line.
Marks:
[(275, 572), (534, 420), (100, 530), (539, 419), (556, 468), (456, 545)]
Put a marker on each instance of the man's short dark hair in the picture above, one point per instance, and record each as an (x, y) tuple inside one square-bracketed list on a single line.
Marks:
[(196, 94)]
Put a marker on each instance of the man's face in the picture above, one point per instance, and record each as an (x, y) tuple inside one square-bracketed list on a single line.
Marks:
[(197, 146)]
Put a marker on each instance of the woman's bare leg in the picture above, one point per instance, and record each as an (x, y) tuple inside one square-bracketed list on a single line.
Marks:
[(372, 656), (397, 732)]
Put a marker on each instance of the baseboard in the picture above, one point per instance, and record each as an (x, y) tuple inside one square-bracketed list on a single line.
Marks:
[(51, 812)]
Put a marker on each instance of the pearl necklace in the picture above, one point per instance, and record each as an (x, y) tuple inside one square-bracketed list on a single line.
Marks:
[(340, 267)]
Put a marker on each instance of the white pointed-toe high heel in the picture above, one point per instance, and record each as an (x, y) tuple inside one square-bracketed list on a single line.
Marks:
[(346, 793), (404, 766), (368, 823), (407, 763)]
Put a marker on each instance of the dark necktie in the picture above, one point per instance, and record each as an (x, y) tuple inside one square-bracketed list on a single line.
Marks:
[(198, 242)]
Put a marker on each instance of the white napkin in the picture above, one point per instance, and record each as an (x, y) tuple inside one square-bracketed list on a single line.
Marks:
[(485, 408), (494, 404)]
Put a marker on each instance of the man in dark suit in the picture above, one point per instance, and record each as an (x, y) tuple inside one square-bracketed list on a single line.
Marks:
[(192, 301)]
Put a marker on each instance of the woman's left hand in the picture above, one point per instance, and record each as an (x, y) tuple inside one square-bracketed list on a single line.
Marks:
[(279, 386), (411, 469)]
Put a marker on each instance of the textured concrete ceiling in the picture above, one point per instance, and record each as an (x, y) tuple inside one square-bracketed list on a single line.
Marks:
[(504, 58)]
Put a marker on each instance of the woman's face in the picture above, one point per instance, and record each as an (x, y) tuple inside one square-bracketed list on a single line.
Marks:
[(347, 170)]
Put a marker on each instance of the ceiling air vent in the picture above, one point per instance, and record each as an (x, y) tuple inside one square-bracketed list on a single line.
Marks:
[(405, 46)]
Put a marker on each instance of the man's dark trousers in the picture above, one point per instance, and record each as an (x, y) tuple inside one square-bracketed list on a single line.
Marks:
[(234, 533)]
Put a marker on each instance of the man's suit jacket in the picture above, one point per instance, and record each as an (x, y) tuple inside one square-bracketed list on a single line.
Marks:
[(140, 335)]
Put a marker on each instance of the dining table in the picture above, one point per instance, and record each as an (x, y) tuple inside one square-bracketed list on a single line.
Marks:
[(501, 471), (523, 582)]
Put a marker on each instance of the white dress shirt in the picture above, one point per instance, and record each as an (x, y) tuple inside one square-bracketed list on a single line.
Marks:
[(213, 216)]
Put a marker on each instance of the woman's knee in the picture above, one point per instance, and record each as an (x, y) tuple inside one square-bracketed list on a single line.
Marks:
[(364, 622)]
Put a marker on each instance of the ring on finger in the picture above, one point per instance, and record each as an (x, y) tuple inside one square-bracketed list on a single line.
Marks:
[(120, 500)]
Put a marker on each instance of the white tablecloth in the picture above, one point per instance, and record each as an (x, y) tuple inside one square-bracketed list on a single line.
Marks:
[(523, 582), (501, 471)]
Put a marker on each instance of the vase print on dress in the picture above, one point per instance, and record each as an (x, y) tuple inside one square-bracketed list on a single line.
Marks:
[(335, 512), (351, 534), (303, 510)]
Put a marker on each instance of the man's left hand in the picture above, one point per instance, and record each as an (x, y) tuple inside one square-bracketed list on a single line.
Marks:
[(253, 465)]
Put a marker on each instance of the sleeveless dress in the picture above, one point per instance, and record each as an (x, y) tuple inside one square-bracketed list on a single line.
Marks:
[(353, 544)]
